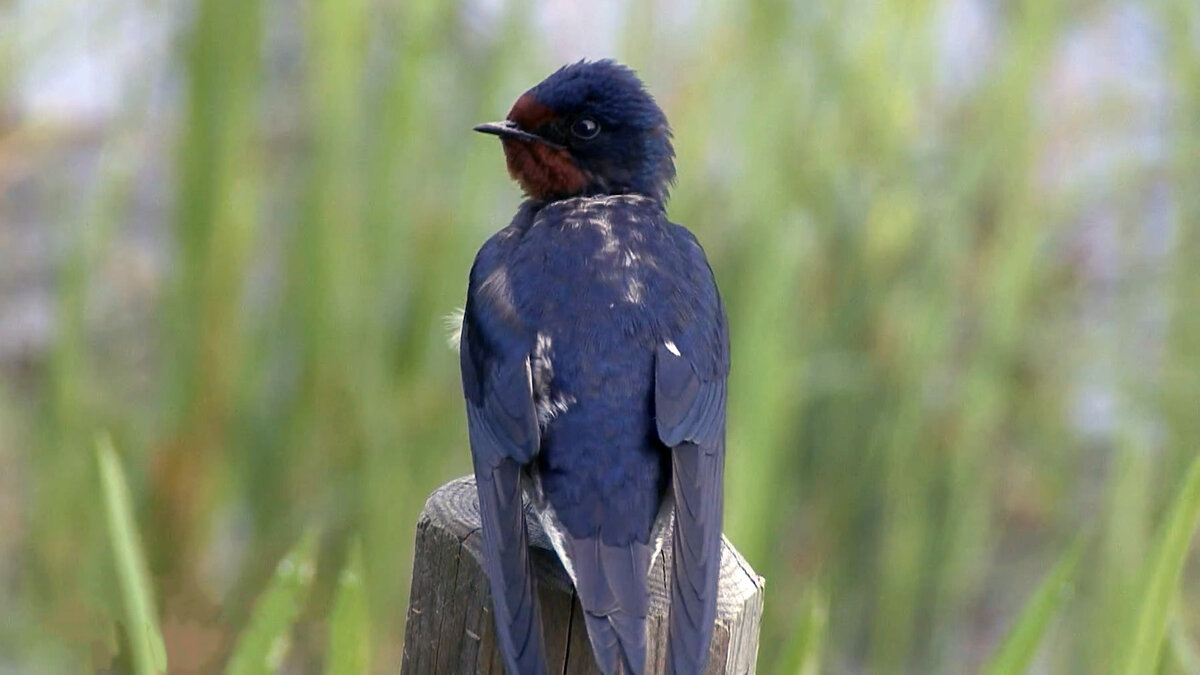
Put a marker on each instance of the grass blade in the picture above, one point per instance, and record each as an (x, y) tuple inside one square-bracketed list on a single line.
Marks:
[(803, 657), (1164, 569), (1016, 652), (349, 634), (145, 638), (1184, 651), (264, 643)]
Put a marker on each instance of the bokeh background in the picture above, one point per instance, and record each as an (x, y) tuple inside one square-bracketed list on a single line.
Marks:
[(959, 242)]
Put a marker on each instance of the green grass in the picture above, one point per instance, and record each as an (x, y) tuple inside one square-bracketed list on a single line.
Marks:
[(1016, 653), (141, 616), (802, 655), (263, 644), (912, 315), (1164, 567), (349, 623)]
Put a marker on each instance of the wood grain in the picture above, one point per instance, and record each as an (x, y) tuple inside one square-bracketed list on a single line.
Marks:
[(450, 627)]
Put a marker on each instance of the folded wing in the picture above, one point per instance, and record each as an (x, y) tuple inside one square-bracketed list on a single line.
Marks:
[(690, 414), (504, 436)]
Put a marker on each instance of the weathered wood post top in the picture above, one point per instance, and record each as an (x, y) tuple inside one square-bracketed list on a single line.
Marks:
[(450, 627)]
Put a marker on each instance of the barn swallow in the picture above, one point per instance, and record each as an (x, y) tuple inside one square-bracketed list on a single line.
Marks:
[(594, 355)]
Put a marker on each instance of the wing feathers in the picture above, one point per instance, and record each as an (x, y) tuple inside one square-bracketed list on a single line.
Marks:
[(690, 414), (509, 568), (696, 550), (508, 404), (676, 389), (686, 408), (504, 436)]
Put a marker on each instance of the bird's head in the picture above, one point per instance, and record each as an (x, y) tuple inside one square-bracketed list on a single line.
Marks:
[(590, 128)]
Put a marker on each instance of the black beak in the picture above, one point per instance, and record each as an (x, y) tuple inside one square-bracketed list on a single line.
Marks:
[(509, 129)]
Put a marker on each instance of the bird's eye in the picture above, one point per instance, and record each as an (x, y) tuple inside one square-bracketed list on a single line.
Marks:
[(585, 128)]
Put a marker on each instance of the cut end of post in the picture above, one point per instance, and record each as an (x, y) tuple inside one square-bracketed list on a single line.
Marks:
[(449, 616)]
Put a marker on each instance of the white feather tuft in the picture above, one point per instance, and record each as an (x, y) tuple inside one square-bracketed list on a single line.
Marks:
[(453, 323)]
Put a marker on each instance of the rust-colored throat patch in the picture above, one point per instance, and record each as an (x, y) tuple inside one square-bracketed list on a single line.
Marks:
[(542, 171)]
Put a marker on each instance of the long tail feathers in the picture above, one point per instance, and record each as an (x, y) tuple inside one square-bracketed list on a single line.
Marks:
[(611, 581), (618, 641), (696, 552)]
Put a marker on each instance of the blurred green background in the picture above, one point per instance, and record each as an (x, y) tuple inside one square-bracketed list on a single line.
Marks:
[(958, 241)]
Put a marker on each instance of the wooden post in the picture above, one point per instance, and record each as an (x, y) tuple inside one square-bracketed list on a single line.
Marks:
[(450, 628)]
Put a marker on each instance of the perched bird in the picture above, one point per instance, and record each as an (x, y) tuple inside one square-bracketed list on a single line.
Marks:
[(594, 355)]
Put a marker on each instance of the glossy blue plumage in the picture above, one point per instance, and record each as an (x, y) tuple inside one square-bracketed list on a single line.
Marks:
[(633, 125), (594, 356)]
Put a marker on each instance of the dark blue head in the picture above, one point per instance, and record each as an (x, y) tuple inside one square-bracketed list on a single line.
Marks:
[(590, 128)]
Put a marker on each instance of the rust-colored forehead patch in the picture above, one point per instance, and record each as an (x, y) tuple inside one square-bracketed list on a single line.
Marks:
[(530, 113)]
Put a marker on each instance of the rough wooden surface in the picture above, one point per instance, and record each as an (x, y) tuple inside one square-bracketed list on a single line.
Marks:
[(450, 627)]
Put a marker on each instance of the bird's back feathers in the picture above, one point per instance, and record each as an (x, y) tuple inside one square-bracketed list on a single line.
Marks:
[(594, 354)]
